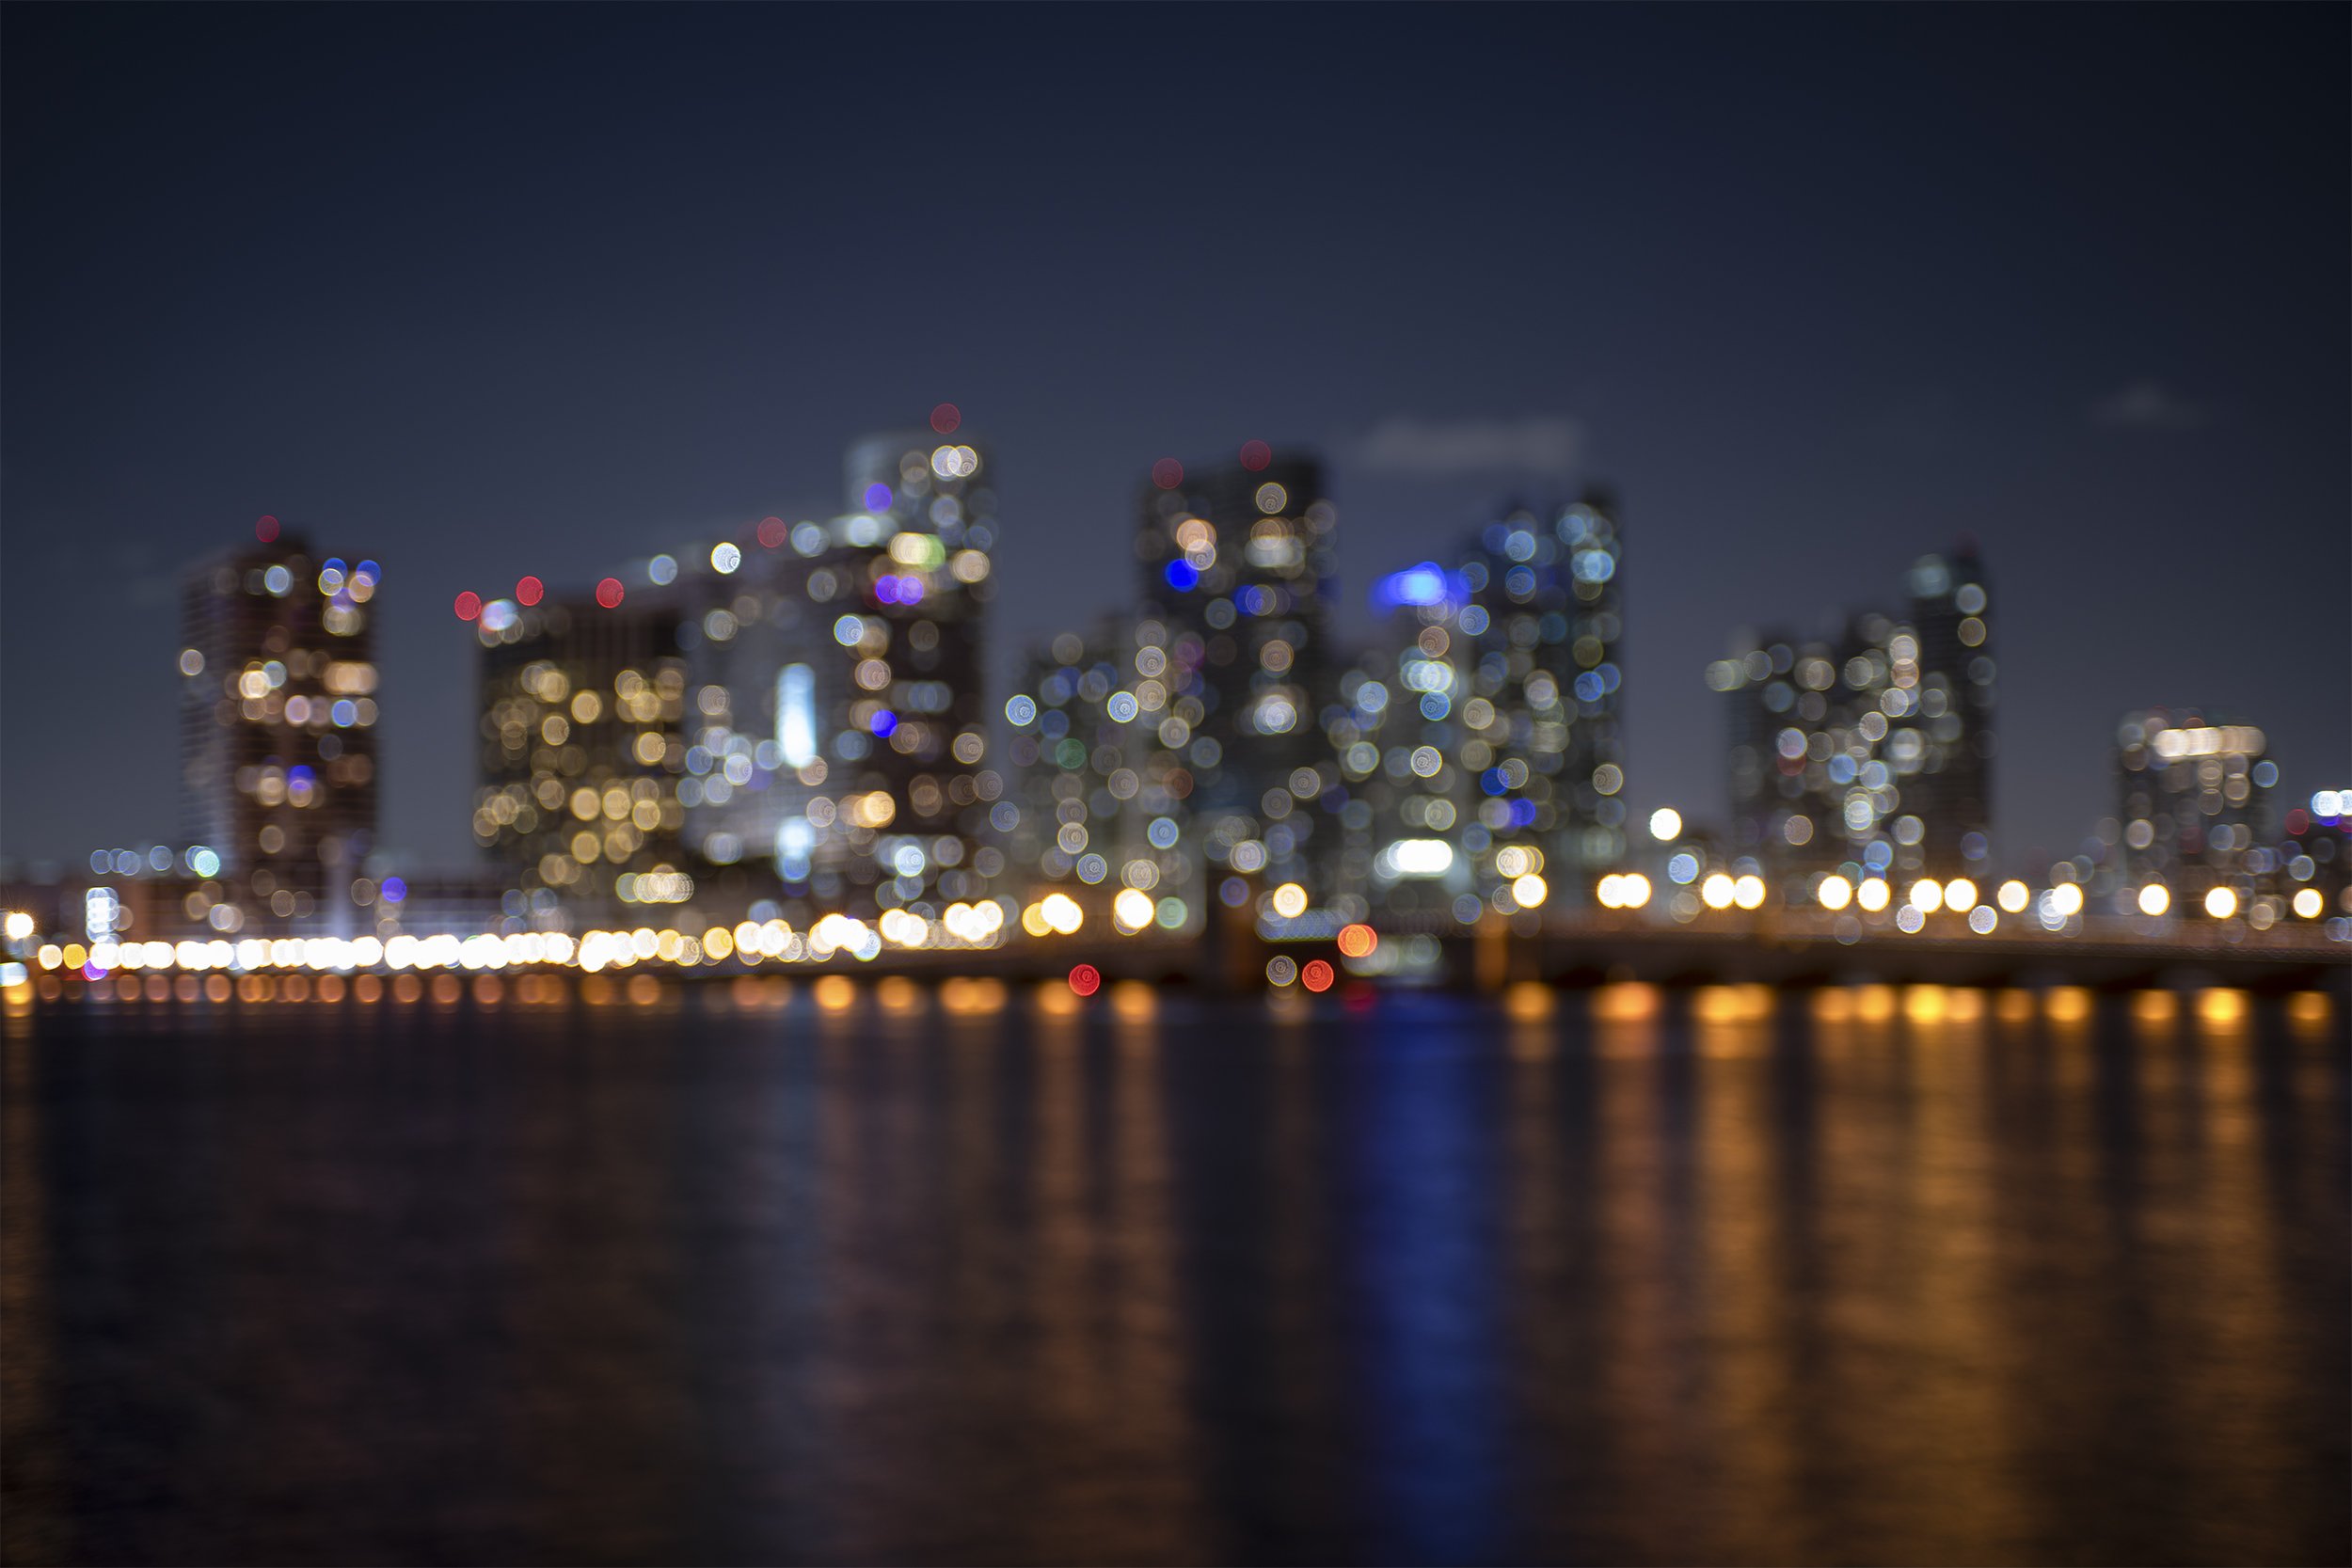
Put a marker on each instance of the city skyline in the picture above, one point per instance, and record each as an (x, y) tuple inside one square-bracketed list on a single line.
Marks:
[(2160, 486)]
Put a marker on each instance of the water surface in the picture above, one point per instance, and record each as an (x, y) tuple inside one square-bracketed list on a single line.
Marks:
[(735, 1276)]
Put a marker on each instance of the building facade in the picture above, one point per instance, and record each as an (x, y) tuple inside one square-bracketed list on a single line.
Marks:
[(277, 735), (1871, 752)]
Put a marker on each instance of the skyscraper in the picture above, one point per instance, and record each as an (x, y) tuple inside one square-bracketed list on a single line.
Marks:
[(1873, 751), (873, 692), (277, 729), (582, 746), (2193, 796), (1238, 573)]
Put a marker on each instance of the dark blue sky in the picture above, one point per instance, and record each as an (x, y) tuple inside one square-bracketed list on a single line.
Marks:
[(481, 292)]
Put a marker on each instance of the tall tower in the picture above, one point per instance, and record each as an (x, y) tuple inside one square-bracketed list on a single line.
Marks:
[(277, 727), (881, 791), (1237, 572), (1871, 754), (1541, 711), (581, 719)]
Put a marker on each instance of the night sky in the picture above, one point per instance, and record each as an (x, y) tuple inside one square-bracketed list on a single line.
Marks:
[(487, 292)]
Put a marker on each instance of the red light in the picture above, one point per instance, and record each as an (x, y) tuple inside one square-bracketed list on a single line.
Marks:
[(469, 605), (529, 591), (1256, 455), (2298, 823), (1357, 941), (1168, 473), (945, 418), (771, 532), (609, 593), (266, 530), (1317, 976), (1086, 979)]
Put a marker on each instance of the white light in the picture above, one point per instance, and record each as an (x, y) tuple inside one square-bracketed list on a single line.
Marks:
[(1529, 891), (1959, 895), (1718, 892), (1632, 890), (2308, 903), (1748, 892), (1666, 824), (2221, 903), (1414, 857), (2154, 899), (1290, 900), (2012, 897), (726, 558), (1131, 911), (1836, 893), (1874, 895), (1927, 896)]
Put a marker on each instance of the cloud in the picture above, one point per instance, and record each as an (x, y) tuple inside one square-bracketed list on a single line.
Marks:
[(1541, 444), (2147, 405)]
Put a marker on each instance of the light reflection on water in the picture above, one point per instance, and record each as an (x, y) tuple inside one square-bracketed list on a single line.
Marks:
[(764, 1271)]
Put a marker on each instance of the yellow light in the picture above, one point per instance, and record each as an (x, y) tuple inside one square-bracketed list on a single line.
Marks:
[(1033, 920), (1748, 892), (1874, 895), (1666, 824), (1959, 895), (2308, 903), (718, 941), (1062, 912), (1131, 911), (2012, 897), (2154, 899), (1290, 900), (2221, 903), (1836, 893), (1529, 891), (1632, 890), (1717, 892), (1927, 896)]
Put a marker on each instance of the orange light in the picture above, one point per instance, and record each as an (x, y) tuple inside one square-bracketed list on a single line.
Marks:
[(1357, 941), (1085, 980), (1316, 976)]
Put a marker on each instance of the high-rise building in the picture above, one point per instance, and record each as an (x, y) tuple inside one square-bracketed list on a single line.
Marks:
[(277, 740), (1237, 572), (1480, 738), (583, 750), (2193, 797), (1101, 793), (1872, 753), (872, 689), (1541, 711)]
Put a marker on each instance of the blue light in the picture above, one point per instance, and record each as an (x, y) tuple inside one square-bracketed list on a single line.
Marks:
[(1182, 576), (885, 721), (394, 889), (1424, 584), (877, 498)]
